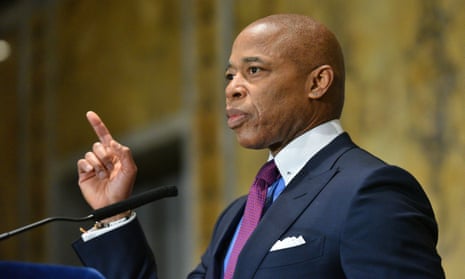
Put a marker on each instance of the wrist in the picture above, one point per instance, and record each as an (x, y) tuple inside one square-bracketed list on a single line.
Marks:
[(107, 221), (107, 225)]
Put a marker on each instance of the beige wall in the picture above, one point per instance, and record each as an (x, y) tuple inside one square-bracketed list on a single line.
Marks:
[(149, 62)]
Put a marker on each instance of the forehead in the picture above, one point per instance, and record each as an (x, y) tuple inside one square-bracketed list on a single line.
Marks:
[(256, 44)]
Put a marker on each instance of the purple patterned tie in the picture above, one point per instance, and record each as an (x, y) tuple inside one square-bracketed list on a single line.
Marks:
[(267, 175)]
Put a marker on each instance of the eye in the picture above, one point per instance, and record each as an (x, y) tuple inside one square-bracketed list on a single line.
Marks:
[(228, 76), (254, 70)]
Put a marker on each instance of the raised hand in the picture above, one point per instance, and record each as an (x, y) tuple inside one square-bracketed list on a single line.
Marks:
[(108, 172)]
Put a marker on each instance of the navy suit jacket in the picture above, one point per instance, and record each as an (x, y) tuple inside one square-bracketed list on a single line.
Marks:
[(359, 217)]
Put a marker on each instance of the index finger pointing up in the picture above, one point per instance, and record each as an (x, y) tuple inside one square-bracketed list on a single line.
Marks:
[(99, 127)]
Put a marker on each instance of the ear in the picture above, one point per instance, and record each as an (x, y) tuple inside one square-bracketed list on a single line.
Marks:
[(319, 81)]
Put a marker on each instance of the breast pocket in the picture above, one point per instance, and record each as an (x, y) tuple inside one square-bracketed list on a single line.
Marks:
[(312, 248)]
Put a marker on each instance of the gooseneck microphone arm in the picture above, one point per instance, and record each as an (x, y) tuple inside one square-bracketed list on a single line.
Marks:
[(105, 212), (42, 222)]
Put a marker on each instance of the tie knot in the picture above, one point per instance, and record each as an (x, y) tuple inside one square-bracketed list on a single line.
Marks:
[(269, 173)]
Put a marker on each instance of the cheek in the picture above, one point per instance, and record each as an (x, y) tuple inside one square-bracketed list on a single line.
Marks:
[(274, 115), (284, 117), (269, 104), (275, 110)]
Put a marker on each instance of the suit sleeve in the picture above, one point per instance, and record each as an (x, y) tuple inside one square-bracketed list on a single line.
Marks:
[(123, 253), (390, 230)]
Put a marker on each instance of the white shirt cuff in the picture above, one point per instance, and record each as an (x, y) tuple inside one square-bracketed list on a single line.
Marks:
[(94, 232)]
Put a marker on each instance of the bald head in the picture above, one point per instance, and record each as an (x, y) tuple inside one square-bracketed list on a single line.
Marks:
[(285, 76), (306, 42), (303, 39)]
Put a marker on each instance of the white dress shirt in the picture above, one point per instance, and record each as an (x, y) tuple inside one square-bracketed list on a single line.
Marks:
[(293, 157)]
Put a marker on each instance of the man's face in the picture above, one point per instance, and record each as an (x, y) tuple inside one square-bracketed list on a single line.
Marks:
[(266, 101)]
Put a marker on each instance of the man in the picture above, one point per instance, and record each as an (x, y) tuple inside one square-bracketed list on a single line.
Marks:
[(332, 210)]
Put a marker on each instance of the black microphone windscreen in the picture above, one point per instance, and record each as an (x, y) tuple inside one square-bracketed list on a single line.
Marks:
[(135, 201)]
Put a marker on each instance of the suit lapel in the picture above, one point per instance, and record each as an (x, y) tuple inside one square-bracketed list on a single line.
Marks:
[(231, 219), (225, 232), (297, 196), (285, 210)]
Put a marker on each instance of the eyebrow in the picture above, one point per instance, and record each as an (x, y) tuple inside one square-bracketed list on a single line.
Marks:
[(247, 60), (252, 59)]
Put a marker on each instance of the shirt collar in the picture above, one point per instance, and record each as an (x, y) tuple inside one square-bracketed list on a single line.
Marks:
[(293, 157)]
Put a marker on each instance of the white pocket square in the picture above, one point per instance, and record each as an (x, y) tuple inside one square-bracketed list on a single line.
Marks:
[(288, 242)]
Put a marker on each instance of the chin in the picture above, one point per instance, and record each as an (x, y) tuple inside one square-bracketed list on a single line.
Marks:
[(250, 143)]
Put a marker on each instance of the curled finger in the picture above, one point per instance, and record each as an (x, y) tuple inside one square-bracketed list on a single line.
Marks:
[(96, 164), (84, 166), (104, 155)]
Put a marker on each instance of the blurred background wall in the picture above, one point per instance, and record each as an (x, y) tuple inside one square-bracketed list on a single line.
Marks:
[(153, 70)]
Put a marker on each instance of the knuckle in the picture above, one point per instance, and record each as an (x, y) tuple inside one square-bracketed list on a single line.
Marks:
[(96, 146), (89, 155)]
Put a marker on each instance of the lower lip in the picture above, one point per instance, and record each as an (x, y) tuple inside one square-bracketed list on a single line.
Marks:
[(236, 120)]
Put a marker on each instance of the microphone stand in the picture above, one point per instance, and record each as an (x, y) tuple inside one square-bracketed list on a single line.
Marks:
[(44, 221), (105, 212)]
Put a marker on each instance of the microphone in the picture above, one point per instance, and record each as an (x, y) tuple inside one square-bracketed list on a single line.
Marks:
[(107, 211), (134, 201)]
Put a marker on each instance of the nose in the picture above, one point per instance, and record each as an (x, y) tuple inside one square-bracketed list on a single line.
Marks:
[(235, 89)]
